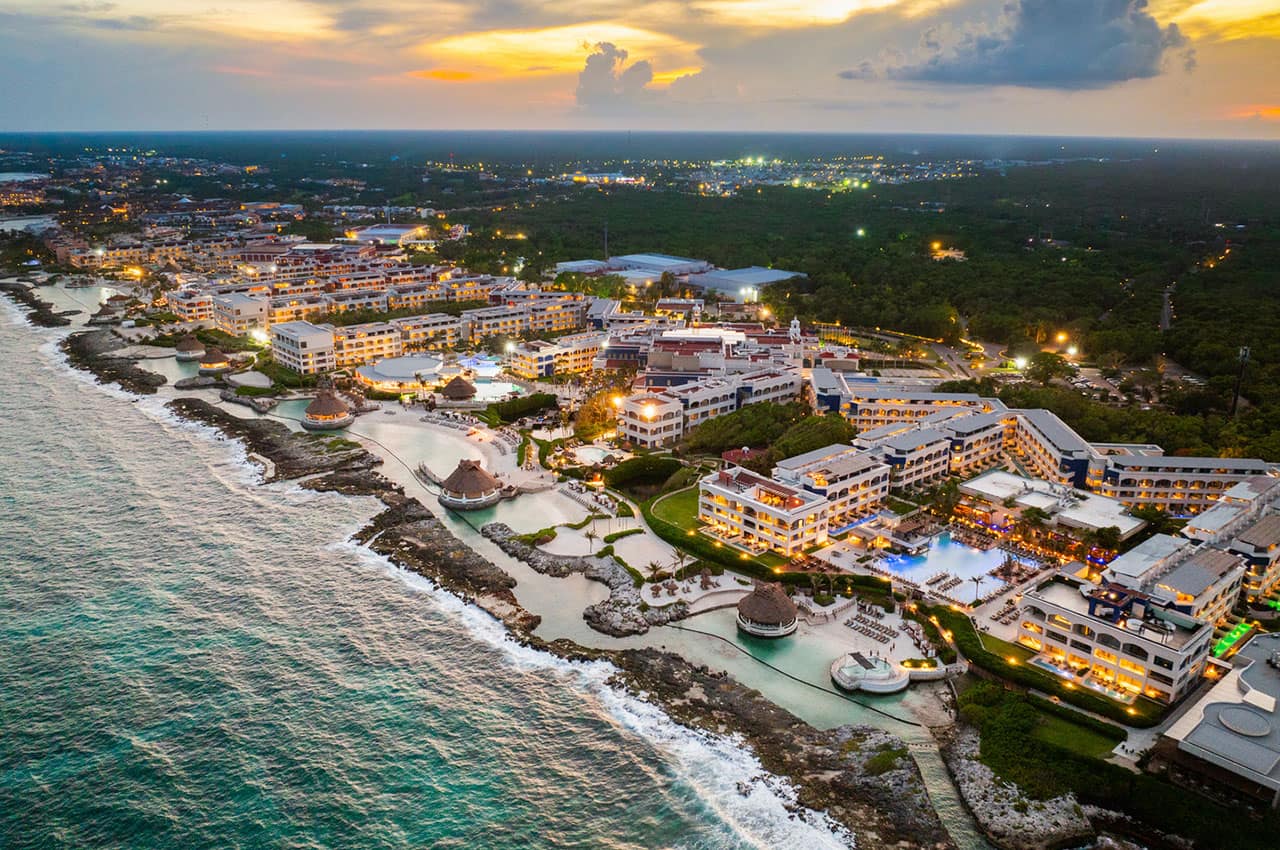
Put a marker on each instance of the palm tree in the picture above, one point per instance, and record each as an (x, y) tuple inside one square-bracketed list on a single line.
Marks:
[(591, 536), (681, 558), (655, 570)]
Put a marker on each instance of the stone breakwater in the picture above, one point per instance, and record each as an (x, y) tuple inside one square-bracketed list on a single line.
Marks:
[(623, 613), (1009, 818), (39, 311), (883, 802), (92, 351)]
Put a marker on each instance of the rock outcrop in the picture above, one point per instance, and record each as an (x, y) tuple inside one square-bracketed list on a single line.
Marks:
[(1008, 817), (92, 351), (623, 613), (39, 311)]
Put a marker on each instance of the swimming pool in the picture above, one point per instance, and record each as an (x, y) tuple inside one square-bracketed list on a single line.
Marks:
[(1083, 681), (495, 390), (949, 556), (590, 454)]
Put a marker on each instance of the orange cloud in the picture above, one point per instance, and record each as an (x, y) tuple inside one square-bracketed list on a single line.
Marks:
[(1264, 112), (1221, 20), (447, 75), (499, 54)]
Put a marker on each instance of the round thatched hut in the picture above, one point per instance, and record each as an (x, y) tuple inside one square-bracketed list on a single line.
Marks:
[(459, 389), (326, 412), (214, 362), (189, 348), (470, 487), (767, 611)]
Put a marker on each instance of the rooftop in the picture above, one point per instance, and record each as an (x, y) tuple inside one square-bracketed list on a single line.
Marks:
[(1161, 628), (1054, 430), (1199, 572), (1235, 725), (1136, 564), (1263, 534)]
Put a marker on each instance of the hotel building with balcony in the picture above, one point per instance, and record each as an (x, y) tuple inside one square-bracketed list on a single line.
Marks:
[(355, 345), (1118, 641), (238, 314), (303, 347), (651, 420), (1179, 485), (757, 514), (852, 481), (1259, 546), (567, 355), (434, 330)]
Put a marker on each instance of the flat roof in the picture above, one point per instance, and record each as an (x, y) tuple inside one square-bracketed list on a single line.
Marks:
[(1135, 564), (1240, 464), (1238, 727), (915, 439), (961, 424), (1199, 572), (1070, 598), (815, 456), (750, 276), (1054, 430), (1214, 520), (1069, 506)]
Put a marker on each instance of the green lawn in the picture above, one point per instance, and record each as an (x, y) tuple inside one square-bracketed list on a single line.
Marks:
[(1072, 736), (1003, 647), (679, 509)]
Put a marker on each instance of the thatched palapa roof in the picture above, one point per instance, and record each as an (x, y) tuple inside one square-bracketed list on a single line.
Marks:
[(471, 480), (459, 389), (326, 405), (768, 605), (214, 357), (189, 343)]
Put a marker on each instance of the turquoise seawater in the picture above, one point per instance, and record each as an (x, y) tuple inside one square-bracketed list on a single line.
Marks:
[(190, 659)]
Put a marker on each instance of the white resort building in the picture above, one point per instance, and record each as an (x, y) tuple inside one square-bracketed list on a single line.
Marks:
[(757, 514)]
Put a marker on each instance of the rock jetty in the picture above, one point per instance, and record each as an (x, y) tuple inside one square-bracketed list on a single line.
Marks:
[(93, 350), (623, 613), (39, 311)]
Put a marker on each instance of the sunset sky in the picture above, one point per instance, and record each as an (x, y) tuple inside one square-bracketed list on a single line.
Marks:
[(1200, 68)]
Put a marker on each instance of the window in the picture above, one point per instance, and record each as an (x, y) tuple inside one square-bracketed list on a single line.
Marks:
[(1134, 650), (1058, 636), (1109, 641), (1161, 661), (1081, 645)]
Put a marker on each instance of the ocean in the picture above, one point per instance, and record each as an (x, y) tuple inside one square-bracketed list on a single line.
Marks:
[(189, 658)]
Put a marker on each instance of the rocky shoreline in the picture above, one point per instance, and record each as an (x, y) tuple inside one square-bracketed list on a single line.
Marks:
[(1003, 813), (92, 352), (858, 776), (623, 613), (883, 806), (39, 311)]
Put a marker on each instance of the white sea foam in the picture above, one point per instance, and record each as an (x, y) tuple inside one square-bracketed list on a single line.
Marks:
[(758, 807)]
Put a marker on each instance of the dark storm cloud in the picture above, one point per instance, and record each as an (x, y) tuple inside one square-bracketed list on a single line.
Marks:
[(1052, 44)]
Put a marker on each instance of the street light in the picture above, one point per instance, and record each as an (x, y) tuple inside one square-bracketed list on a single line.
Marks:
[(1019, 362), (1072, 351), (1062, 337)]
